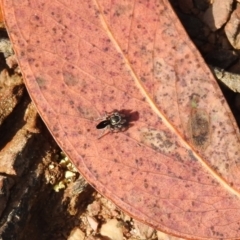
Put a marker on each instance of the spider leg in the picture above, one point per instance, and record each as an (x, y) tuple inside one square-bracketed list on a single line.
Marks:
[(116, 128), (104, 117), (103, 132)]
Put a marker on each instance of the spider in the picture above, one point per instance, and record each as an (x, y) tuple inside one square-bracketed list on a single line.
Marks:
[(114, 121)]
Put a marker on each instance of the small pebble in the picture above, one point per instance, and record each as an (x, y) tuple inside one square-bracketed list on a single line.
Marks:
[(76, 234), (143, 231), (94, 208), (112, 229), (93, 223), (164, 236)]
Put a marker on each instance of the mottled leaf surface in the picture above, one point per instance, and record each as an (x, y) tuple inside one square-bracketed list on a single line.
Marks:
[(177, 167)]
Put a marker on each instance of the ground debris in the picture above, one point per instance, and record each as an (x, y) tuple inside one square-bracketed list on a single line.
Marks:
[(231, 80)]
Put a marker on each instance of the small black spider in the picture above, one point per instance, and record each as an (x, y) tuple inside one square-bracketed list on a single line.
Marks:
[(114, 121)]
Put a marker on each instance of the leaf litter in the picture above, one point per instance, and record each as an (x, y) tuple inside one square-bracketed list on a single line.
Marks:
[(182, 152)]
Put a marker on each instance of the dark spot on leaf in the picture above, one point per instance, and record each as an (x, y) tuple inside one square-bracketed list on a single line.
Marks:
[(70, 79), (192, 157), (167, 144), (41, 81), (199, 128)]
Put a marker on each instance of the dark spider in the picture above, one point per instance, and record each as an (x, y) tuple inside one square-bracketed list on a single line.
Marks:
[(114, 121)]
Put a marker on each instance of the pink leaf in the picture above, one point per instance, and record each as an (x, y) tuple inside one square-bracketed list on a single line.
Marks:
[(177, 166)]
